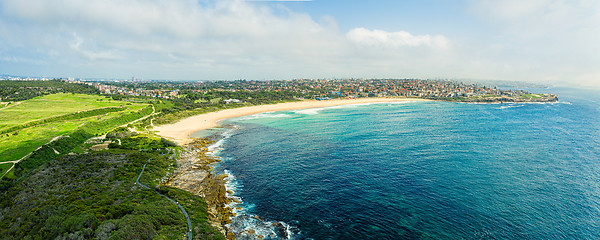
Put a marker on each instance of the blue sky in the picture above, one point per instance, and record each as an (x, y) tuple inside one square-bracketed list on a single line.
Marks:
[(545, 41)]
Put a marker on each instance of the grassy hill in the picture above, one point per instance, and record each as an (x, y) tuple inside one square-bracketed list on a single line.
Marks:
[(51, 106), (34, 122)]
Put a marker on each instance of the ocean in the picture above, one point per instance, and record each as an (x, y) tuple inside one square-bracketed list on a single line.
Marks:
[(418, 170)]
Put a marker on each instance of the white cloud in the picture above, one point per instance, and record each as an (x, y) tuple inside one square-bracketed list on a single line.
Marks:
[(381, 38), (542, 40), (189, 39), (549, 40)]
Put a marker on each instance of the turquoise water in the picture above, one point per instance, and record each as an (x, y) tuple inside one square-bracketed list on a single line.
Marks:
[(420, 170)]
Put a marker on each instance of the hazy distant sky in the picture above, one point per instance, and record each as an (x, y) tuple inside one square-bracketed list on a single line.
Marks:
[(548, 41)]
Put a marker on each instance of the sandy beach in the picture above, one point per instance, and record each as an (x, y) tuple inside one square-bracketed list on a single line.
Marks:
[(180, 132)]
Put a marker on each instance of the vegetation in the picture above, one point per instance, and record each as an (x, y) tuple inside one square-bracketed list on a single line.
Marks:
[(530, 96), (58, 194), (94, 196), (14, 146), (66, 117), (54, 105), (4, 168), (11, 90), (34, 122)]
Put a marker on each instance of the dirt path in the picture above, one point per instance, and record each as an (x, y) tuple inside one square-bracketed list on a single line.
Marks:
[(12, 105)]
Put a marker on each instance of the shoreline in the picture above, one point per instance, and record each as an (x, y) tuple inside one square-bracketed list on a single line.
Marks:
[(194, 174), (180, 131)]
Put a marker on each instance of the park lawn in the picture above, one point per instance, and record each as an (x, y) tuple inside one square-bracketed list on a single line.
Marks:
[(53, 105)]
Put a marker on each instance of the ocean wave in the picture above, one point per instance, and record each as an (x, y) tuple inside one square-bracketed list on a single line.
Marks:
[(214, 149), (381, 103), (310, 111), (244, 224), (264, 115), (248, 226), (521, 104), (510, 105), (315, 111), (561, 102)]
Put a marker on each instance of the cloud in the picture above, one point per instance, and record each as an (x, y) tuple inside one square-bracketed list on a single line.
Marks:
[(190, 39), (381, 38), (538, 40), (541, 40)]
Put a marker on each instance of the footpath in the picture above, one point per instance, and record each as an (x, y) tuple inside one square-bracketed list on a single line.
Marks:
[(187, 217)]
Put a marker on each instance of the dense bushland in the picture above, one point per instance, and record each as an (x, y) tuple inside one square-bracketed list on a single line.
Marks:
[(94, 195), (12, 90)]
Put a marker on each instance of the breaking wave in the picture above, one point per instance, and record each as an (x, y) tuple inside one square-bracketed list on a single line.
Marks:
[(244, 224)]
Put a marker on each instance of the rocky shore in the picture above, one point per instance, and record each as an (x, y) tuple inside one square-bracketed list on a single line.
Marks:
[(193, 174), (528, 98)]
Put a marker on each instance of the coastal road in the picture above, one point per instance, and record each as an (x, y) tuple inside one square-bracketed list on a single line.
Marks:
[(187, 217)]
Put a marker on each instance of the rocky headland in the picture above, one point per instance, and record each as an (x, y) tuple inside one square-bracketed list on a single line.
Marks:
[(193, 174), (521, 98)]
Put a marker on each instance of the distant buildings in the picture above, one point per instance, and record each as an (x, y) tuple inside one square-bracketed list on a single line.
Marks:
[(310, 88)]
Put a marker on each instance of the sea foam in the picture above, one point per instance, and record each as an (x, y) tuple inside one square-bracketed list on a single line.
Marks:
[(245, 224)]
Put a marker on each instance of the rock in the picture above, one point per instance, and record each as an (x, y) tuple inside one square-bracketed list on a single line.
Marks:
[(280, 230), (193, 174)]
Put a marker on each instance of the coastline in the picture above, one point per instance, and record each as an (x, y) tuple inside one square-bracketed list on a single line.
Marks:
[(180, 132), (194, 169), (194, 174)]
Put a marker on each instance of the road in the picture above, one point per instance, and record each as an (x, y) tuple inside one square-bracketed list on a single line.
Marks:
[(187, 217)]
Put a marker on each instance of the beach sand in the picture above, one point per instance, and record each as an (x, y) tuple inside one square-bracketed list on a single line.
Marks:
[(180, 132)]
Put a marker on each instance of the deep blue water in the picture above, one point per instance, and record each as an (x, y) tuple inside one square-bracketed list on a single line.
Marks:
[(422, 170)]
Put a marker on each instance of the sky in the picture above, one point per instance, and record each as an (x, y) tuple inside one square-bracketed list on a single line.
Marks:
[(542, 41)]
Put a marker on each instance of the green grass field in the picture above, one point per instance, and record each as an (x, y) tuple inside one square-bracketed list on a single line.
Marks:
[(52, 105), (17, 144), (530, 96)]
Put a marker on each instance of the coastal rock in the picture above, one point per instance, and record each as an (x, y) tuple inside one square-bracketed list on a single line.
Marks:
[(280, 230), (193, 175), (536, 98)]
